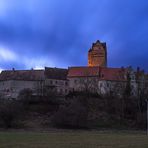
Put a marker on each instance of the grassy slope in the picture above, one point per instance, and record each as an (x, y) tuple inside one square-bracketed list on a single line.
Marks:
[(66, 139)]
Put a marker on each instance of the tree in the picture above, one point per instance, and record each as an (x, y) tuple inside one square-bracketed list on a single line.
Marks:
[(127, 91), (10, 111), (87, 84), (25, 96), (73, 115)]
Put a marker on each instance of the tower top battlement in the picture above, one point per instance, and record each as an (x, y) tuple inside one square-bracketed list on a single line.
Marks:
[(97, 55)]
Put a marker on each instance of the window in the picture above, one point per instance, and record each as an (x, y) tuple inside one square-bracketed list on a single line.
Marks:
[(133, 77), (61, 91), (132, 86), (100, 84), (51, 82), (107, 84)]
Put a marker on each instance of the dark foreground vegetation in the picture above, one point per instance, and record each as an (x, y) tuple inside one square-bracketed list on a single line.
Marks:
[(78, 110)]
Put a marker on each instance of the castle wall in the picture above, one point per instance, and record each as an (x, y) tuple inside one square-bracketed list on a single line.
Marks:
[(12, 88), (83, 84), (59, 86)]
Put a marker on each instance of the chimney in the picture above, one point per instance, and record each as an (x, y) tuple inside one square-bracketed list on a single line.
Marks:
[(138, 69), (143, 71), (97, 41), (122, 68)]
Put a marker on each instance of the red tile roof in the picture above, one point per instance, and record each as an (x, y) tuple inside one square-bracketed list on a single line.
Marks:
[(103, 73), (114, 74), (27, 75), (83, 71), (56, 73)]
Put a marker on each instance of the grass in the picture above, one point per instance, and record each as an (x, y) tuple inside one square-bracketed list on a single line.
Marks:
[(73, 139)]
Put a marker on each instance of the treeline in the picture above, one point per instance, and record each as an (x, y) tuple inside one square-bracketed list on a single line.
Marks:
[(76, 110), (86, 110)]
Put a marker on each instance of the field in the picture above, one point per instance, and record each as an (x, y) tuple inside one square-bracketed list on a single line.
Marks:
[(73, 139)]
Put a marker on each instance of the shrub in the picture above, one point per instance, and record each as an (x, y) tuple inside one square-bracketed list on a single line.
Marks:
[(25, 96), (72, 116), (10, 112)]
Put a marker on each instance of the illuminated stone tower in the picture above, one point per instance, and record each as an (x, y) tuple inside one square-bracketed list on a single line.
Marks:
[(97, 55)]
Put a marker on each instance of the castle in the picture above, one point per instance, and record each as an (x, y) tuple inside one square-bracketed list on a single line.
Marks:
[(96, 77)]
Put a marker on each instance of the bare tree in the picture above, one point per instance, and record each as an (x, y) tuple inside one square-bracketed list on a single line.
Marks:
[(89, 84)]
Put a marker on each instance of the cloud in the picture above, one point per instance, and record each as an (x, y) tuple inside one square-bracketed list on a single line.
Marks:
[(7, 55), (1, 70), (36, 63), (59, 33)]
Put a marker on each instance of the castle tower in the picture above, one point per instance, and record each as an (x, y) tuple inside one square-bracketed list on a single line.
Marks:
[(97, 55)]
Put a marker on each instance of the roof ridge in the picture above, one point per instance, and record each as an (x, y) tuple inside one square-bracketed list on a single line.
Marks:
[(56, 68)]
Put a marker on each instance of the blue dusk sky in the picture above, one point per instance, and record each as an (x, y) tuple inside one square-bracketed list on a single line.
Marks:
[(58, 33)]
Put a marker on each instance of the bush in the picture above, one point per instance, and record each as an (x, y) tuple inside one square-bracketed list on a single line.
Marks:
[(25, 96), (72, 116), (10, 112)]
